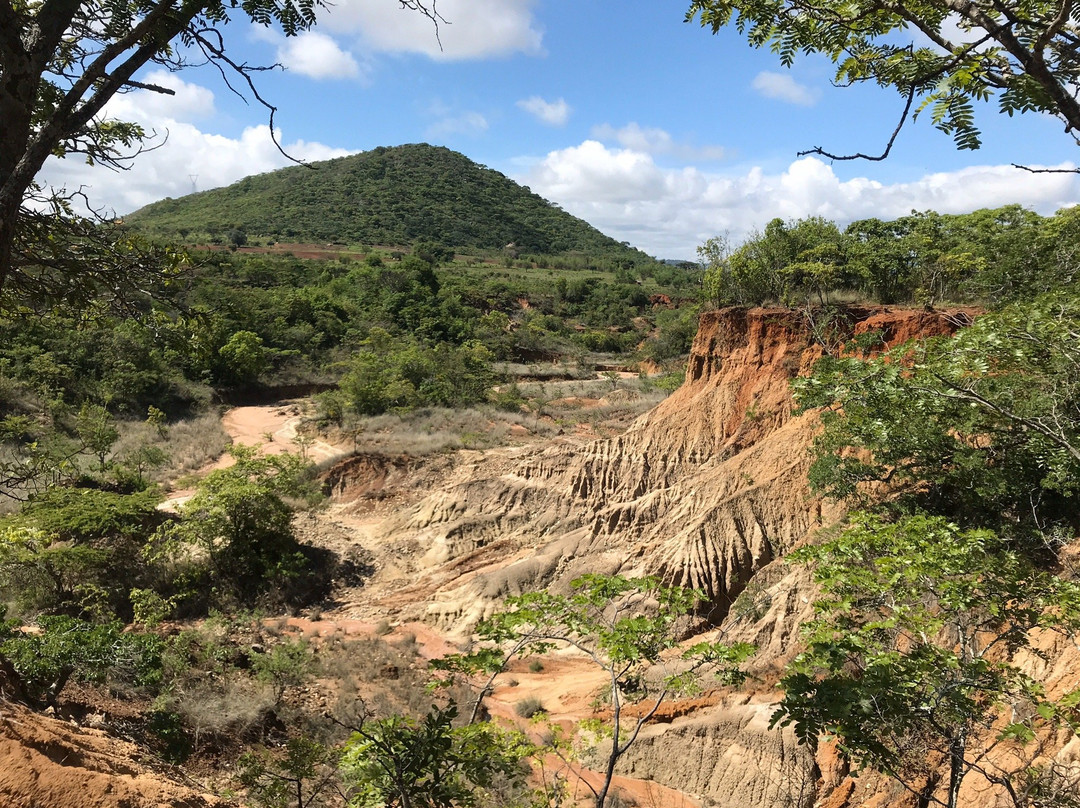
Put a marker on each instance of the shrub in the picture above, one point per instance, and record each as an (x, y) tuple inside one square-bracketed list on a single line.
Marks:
[(240, 524), (529, 708), (402, 377), (286, 664), (66, 648)]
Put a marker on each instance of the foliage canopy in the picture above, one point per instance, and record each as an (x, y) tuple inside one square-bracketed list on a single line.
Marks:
[(911, 647), (399, 762), (966, 449), (942, 56), (983, 427), (60, 63)]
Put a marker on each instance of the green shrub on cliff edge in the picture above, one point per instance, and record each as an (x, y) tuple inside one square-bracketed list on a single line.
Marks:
[(967, 449)]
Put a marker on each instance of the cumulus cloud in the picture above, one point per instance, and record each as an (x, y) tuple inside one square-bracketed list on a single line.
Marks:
[(189, 102), (656, 141), (468, 29), (784, 88), (668, 212), (187, 158), (553, 113), (315, 55)]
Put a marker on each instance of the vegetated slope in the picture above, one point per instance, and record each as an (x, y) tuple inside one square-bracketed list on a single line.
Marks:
[(398, 195)]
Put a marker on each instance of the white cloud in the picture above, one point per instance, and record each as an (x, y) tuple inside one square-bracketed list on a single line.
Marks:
[(553, 113), (187, 156), (784, 88), (317, 56), (465, 123), (656, 141), (668, 212), (189, 102), (469, 29)]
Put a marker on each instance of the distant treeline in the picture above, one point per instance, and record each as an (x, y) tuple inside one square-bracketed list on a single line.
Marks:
[(989, 256)]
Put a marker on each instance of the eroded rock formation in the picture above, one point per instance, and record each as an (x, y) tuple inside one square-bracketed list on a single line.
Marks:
[(708, 490), (705, 491)]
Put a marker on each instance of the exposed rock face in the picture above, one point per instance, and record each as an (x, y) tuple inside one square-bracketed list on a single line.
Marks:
[(708, 490), (705, 490), (730, 757)]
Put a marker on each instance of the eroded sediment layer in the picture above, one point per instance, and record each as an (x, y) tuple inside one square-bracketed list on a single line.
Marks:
[(704, 491)]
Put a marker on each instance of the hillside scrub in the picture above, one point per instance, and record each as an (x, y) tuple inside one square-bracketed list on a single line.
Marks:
[(410, 194)]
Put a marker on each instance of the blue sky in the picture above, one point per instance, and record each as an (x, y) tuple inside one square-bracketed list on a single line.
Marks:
[(650, 128)]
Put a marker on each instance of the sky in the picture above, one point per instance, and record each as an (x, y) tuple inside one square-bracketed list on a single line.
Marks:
[(650, 128)]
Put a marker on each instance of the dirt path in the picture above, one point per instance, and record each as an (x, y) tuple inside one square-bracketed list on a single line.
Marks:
[(271, 427)]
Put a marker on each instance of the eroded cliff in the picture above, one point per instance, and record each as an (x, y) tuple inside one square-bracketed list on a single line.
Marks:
[(708, 490), (705, 491)]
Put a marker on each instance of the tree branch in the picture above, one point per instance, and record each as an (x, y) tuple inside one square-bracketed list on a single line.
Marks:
[(888, 146), (154, 88), (1031, 170)]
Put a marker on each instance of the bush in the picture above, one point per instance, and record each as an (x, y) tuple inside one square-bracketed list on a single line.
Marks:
[(239, 524), (170, 739), (242, 359), (285, 665), (66, 648), (529, 708), (509, 399), (405, 376)]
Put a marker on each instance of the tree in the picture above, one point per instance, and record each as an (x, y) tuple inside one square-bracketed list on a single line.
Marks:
[(716, 286), (911, 653), (243, 358), (968, 447), (625, 627), (801, 257), (295, 778), (982, 427), (398, 762), (60, 63), (39, 665), (1024, 54), (98, 432), (240, 519)]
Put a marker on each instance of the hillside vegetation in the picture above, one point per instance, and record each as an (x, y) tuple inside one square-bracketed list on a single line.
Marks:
[(389, 196)]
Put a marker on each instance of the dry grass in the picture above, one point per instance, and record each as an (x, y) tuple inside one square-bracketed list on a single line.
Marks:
[(189, 445), (553, 370), (437, 429), (549, 408), (383, 677), (220, 714)]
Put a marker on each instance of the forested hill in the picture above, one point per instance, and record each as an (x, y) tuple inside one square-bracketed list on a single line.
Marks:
[(391, 196)]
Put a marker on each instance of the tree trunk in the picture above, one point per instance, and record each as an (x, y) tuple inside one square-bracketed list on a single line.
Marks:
[(9, 219), (613, 758), (957, 748)]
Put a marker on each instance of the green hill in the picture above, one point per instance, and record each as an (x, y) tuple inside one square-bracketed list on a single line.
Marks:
[(394, 196)]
